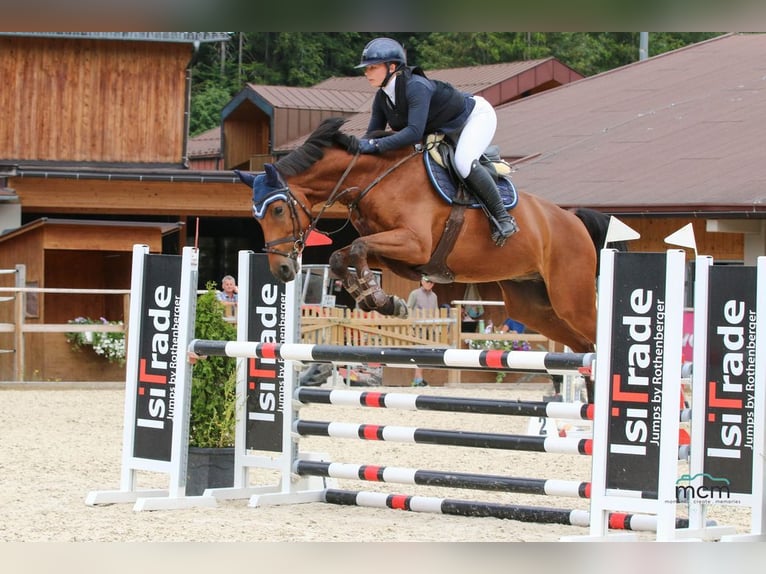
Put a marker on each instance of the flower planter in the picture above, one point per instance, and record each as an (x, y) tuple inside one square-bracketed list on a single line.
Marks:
[(209, 468)]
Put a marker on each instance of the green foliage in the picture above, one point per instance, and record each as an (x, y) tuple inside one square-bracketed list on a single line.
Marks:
[(213, 396), (206, 105)]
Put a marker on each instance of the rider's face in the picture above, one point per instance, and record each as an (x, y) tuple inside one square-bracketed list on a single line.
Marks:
[(376, 74)]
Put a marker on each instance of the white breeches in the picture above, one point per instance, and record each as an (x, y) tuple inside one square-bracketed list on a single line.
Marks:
[(476, 136)]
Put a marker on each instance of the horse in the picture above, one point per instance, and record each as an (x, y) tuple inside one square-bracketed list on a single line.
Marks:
[(547, 270)]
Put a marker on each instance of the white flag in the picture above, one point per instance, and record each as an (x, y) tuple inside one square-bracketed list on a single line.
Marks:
[(618, 231), (684, 237)]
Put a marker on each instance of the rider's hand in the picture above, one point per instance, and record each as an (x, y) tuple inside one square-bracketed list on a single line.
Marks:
[(368, 146)]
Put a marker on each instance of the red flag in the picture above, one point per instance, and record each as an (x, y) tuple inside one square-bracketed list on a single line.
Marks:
[(317, 238)]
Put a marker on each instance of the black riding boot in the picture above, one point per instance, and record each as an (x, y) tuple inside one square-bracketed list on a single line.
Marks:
[(482, 185)]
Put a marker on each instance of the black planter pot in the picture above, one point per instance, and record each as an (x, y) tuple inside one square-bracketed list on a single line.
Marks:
[(209, 468)]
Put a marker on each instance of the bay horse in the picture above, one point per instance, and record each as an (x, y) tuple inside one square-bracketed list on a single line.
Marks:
[(546, 271)]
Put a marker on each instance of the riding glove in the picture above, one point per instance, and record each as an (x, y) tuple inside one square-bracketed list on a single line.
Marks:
[(368, 146)]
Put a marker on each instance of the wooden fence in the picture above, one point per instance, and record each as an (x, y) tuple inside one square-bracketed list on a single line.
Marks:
[(319, 325), (20, 327), (335, 326)]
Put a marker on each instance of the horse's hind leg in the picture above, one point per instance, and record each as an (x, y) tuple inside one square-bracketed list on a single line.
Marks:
[(572, 291), (529, 303)]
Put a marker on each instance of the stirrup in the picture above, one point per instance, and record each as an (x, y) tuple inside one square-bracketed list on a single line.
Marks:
[(499, 237)]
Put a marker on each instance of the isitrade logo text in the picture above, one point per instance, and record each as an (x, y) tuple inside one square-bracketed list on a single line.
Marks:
[(715, 490)]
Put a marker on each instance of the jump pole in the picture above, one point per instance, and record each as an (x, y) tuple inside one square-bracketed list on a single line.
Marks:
[(407, 401), (432, 358), (267, 422), (534, 514), (158, 381)]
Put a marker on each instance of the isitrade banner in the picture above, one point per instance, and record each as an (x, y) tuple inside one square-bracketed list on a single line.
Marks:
[(635, 393), (730, 382), (265, 376), (157, 356)]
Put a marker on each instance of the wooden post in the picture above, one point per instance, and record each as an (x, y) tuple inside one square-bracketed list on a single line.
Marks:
[(19, 309)]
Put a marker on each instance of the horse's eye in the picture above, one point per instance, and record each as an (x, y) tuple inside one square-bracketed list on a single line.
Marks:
[(278, 210)]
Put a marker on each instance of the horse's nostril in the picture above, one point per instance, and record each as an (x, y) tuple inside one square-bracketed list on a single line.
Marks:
[(286, 272)]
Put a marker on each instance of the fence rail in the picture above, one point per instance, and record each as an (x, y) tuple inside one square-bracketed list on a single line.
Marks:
[(19, 327)]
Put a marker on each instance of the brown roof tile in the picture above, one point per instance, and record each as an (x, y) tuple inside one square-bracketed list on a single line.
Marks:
[(208, 143), (679, 132), (311, 98)]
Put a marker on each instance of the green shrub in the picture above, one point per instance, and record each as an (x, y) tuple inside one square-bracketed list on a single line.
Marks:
[(214, 393)]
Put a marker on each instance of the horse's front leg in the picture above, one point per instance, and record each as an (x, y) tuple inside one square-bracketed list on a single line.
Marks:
[(361, 283)]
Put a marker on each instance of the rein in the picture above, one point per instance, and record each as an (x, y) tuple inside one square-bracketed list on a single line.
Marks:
[(298, 238), (354, 204)]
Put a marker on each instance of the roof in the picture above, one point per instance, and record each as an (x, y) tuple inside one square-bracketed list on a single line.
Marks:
[(471, 79), (270, 97), (163, 227), (183, 37), (678, 133), (208, 143)]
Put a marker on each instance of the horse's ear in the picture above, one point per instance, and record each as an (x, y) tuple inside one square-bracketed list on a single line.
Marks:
[(245, 177), (272, 175)]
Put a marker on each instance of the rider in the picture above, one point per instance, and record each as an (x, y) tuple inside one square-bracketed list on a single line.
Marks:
[(414, 106)]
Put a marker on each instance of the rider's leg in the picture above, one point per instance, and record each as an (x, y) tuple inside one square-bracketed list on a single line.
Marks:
[(483, 186), (475, 137)]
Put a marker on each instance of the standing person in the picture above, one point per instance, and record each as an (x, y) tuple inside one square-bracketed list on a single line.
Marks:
[(228, 296), (422, 298), (415, 106)]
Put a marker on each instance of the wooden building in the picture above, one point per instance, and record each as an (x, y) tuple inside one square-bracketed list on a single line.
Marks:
[(93, 126), (71, 254)]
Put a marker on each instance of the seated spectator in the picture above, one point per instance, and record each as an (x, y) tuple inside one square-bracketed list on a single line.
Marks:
[(512, 326)]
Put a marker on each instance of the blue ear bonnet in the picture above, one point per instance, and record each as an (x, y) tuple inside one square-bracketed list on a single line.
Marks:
[(267, 188)]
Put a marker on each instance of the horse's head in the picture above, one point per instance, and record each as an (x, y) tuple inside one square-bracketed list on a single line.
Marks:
[(283, 212), (284, 218)]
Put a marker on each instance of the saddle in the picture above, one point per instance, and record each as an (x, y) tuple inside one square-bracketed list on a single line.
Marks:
[(444, 177), (438, 161)]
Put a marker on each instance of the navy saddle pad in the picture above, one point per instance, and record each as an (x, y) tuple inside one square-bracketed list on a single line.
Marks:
[(442, 182)]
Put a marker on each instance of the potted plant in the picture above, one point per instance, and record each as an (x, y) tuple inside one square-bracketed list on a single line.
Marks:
[(213, 403)]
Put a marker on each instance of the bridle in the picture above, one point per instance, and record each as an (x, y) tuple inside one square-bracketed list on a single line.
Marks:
[(298, 237)]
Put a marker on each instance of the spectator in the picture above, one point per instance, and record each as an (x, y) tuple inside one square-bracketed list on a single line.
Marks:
[(422, 298), (228, 296), (229, 291), (512, 326)]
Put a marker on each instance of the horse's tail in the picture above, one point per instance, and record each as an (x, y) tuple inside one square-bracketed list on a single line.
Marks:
[(597, 224)]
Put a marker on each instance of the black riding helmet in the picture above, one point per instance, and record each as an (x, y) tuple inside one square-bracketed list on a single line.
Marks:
[(382, 50)]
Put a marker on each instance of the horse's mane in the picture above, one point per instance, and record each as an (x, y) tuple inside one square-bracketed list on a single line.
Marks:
[(326, 135)]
